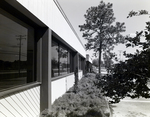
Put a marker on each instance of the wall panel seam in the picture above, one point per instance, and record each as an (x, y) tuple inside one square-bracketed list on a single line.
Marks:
[(23, 104), (27, 103), (36, 93), (36, 96), (3, 113), (17, 104), (7, 109), (38, 90), (12, 106), (33, 102)]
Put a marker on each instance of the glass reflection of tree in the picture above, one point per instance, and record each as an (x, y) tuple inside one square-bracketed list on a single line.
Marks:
[(54, 62), (62, 53)]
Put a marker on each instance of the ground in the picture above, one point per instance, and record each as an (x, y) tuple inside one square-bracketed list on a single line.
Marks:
[(132, 108)]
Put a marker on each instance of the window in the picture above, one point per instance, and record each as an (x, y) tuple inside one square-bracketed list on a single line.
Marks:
[(60, 59), (63, 60), (55, 62), (68, 62), (79, 62), (16, 52)]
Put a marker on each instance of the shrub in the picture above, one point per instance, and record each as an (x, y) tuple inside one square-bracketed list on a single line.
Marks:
[(87, 102), (90, 113)]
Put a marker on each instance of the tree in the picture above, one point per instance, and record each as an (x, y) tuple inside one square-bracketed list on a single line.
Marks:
[(95, 62), (108, 60), (130, 78), (99, 29), (135, 13)]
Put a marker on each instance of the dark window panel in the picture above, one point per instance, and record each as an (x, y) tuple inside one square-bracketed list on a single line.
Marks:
[(61, 59), (16, 52), (80, 61), (55, 62), (68, 62)]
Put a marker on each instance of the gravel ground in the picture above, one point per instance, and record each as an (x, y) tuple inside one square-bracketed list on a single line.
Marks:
[(132, 108)]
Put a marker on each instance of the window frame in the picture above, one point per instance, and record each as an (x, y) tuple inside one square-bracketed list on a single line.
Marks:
[(60, 44), (30, 77), (37, 25)]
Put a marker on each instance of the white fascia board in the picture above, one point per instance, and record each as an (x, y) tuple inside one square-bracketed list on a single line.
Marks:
[(48, 12), (88, 58)]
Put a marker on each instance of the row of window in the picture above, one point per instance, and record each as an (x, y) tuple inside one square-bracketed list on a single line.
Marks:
[(60, 59), (63, 59), (18, 54), (16, 51)]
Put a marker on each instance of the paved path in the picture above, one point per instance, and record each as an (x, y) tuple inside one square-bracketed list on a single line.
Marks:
[(132, 108)]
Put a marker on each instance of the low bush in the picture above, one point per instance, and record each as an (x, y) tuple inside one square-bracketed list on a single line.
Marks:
[(87, 102), (90, 113)]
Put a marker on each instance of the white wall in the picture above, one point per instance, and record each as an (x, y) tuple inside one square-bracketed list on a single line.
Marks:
[(48, 13), (23, 104), (80, 74), (59, 87), (88, 58)]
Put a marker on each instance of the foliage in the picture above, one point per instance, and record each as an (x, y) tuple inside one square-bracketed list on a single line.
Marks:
[(54, 63), (135, 13), (108, 60), (95, 62), (90, 113), (130, 78), (100, 29), (87, 99), (136, 41)]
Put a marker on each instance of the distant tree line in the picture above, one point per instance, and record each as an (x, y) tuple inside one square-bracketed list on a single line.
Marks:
[(7, 65)]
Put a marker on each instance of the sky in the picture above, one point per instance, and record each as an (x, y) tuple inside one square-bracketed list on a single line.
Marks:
[(75, 10)]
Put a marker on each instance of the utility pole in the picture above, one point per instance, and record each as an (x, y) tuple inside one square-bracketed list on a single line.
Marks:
[(19, 38)]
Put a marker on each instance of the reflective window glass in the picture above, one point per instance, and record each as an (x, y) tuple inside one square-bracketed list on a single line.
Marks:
[(55, 63), (60, 59), (68, 62), (63, 58), (79, 62), (16, 52)]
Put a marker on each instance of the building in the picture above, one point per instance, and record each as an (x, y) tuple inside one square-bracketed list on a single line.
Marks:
[(39, 51), (88, 63)]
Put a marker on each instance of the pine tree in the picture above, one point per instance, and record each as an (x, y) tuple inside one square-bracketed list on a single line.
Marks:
[(100, 29)]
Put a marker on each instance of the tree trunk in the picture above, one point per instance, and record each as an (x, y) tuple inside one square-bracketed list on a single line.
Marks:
[(100, 51)]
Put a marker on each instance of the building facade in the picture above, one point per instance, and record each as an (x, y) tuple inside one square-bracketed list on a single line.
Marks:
[(88, 64), (39, 51)]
